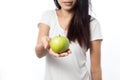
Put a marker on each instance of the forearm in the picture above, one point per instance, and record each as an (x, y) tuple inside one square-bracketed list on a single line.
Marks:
[(96, 74), (43, 40), (95, 57), (40, 51)]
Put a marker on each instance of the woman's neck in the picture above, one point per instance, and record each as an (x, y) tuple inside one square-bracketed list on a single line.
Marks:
[(64, 18), (66, 14)]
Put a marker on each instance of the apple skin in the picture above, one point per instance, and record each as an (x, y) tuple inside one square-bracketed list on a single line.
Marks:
[(59, 44)]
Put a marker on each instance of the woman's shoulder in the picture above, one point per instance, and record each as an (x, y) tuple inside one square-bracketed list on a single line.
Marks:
[(48, 12), (48, 17), (94, 20)]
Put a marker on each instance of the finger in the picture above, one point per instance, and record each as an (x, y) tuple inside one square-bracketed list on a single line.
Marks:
[(46, 46), (69, 51), (53, 53), (63, 54), (58, 54), (46, 42)]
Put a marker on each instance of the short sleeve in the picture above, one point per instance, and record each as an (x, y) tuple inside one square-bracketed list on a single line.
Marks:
[(95, 30), (45, 18)]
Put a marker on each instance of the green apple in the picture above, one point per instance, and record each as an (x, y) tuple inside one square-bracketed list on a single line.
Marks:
[(59, 44)]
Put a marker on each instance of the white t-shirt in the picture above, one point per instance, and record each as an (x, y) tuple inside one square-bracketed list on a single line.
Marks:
[(72, 67)]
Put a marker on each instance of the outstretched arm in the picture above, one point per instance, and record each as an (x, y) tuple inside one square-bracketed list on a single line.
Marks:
[(42, 38), (42, 47)]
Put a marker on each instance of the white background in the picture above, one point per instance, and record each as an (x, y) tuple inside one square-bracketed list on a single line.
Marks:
[(18, 35)]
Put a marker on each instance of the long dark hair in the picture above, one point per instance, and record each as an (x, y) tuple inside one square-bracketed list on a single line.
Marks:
[(79, 28)]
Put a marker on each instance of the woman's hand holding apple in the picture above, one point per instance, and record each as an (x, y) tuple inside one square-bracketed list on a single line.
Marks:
[(46, 45), (64, 54)]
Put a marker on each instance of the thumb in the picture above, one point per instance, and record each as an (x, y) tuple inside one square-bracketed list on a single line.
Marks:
[(46, 42)]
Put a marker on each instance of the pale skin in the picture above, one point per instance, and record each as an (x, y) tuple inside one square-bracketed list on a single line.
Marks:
[(64, 16)]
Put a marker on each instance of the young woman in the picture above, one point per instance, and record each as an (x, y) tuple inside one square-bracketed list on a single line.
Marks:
[(70, 19)]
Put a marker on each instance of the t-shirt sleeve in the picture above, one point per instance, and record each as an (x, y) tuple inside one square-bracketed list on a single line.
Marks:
[(95, 30), (45, 18)]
